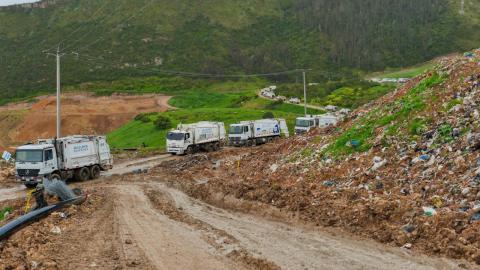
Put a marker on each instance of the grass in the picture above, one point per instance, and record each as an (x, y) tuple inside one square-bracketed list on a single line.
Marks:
[(4, 211), (409, 72), (388, 118)]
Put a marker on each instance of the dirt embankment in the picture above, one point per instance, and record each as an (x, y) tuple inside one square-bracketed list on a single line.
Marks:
[(82, 113)]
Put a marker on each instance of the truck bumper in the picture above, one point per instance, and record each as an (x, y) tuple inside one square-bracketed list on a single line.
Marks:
[(177, 151), (30, 179), (237, 143)]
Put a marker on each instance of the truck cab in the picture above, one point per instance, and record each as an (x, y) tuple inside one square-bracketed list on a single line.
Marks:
[(34, 162), (239, 134), (305, 124), (178, 141)]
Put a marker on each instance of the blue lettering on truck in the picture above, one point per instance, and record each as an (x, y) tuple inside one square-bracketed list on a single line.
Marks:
[(276, 129), (80, 148)]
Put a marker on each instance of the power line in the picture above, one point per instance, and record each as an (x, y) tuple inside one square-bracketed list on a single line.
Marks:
[(78, 28), (118, 25), (191, 74), (93, 28)]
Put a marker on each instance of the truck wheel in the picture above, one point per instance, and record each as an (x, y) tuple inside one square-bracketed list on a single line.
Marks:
[(216, 146), (30, 186), (82, 174), (209, 148), (55, 176), (95, 172), (190, 150)]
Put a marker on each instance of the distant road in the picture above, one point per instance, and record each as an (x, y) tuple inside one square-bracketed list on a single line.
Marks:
[(321, 108)]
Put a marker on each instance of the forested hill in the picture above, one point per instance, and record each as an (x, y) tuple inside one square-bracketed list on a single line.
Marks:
[(118, 38)]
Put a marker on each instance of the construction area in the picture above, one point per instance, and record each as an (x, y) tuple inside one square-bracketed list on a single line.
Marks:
[(395, 185)]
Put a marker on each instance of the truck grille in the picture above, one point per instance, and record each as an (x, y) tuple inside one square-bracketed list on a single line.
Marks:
[(235, 139), (27, 172)]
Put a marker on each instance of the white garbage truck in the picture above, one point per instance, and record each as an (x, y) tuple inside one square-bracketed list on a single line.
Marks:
[(191, 138), (248, 133), (79, 157), (307, 123)]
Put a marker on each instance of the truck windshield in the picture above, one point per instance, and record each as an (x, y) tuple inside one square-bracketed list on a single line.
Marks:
[(29, 156), (236, 130), (302, 123), (174, 136)]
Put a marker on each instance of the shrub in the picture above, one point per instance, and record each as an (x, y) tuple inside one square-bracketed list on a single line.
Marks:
[(163, 122), (268, 115), (145, 117)]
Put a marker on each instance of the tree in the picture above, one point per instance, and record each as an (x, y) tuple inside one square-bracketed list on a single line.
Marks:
[(163, 122)]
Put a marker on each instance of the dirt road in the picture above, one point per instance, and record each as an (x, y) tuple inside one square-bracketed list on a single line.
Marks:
[(18, 190), (137, 164), (310, 106), (170, 244), (167, 244), (142, 221)]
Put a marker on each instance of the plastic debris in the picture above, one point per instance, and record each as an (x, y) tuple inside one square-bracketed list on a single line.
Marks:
[(429, 211)]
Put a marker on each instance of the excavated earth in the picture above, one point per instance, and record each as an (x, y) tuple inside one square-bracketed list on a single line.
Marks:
[(82, 113), (151, 221)]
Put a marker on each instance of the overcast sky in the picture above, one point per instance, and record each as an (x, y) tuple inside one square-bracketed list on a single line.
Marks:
[(11, 2)]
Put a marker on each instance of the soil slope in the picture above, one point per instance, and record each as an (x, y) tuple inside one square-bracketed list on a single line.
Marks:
[(82, 113)]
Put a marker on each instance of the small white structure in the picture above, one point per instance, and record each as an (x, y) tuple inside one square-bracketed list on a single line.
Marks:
[(331, 108), (345, 111), (294, 100), (266, 92)]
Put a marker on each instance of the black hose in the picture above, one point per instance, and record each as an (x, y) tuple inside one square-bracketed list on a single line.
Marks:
[(17, 224)]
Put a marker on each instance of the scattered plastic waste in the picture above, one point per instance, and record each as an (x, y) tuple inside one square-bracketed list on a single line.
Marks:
[(429, 211)]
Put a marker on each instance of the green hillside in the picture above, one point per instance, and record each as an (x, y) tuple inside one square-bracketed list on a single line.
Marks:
[(117, 39)]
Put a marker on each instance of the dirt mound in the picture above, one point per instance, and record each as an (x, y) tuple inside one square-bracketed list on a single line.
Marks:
[(417, 187), (51, 243), (81, 114)]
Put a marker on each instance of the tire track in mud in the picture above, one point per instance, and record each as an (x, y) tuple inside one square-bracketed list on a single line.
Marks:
[(166, 243), (283, 245)]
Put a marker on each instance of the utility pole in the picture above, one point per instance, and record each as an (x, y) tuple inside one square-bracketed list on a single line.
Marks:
[(462, 7), (305, 91), (59, 118), (58, 57)]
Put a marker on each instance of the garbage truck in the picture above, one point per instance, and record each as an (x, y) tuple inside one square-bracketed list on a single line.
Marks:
[(191, 138), (77, 157), (248, 133), (309, 122)]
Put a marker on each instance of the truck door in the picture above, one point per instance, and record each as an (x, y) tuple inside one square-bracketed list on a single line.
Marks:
[(49, 160), (103, 151), (247, 133)]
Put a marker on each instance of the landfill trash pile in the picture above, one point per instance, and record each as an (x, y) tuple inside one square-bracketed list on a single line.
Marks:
[(34, 247), (403, 170), (7, 173)]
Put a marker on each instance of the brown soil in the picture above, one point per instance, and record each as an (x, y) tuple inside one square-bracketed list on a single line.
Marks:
[(82, 113)]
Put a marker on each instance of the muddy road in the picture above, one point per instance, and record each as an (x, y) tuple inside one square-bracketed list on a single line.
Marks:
[(142, 221), (175, 231)]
